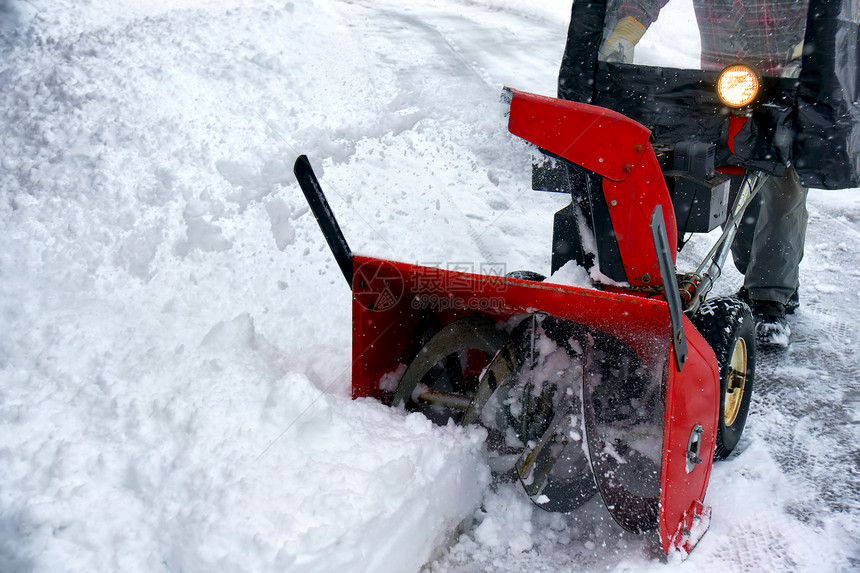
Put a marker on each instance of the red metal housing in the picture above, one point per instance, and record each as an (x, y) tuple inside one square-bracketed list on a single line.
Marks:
[(393, 304), (616, 148)]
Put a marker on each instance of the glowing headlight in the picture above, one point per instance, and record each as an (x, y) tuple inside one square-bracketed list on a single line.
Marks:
[(737, 85)]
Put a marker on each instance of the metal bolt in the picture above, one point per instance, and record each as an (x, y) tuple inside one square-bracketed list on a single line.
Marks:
[(646, 278), (613, 202), (627, 168), (638, 147)]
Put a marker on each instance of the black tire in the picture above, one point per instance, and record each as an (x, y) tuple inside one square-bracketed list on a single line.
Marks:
[(727, 325)]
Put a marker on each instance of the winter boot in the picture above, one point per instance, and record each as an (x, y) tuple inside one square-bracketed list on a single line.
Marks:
[(771, 326), (793, 302)]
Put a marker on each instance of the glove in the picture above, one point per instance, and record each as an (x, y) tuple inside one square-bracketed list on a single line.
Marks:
[(618, 48), (792, 68)]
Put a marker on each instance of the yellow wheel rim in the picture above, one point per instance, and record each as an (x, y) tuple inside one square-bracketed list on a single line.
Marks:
[(735, 383)]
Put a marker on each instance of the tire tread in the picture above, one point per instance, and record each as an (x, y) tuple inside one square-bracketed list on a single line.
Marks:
[(721, 321)]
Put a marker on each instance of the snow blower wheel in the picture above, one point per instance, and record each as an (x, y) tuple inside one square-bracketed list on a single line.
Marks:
[(727, 325), (442, 379)]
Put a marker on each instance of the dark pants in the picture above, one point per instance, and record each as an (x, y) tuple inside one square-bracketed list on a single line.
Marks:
[(769, 245)]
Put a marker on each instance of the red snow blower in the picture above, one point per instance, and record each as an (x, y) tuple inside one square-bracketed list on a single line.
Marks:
[(632, 388), (611, 390)]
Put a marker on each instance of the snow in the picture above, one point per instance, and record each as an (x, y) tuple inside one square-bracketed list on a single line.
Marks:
[(175, 347), (571, 274)]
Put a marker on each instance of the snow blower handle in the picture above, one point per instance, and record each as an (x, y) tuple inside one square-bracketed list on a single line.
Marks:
[(325, 217)]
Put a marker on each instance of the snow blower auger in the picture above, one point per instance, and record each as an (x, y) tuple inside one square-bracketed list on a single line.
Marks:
[(611, 390)]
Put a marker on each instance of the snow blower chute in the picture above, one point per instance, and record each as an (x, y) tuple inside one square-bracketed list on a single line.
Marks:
[(611, 390)]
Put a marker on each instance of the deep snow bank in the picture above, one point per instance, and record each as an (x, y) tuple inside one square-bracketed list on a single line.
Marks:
[(175, 347), (205, 458)]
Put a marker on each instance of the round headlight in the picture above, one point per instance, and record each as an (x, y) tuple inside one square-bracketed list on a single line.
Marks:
[(737, 85)]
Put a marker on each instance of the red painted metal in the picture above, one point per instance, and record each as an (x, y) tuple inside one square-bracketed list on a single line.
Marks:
[(596, 138), (618, 149), (395, 304), (692, 398), (696, 521), (736, 122)]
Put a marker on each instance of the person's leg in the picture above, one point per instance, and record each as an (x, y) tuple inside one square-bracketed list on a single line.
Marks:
[(777, 244), (772, 275)]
